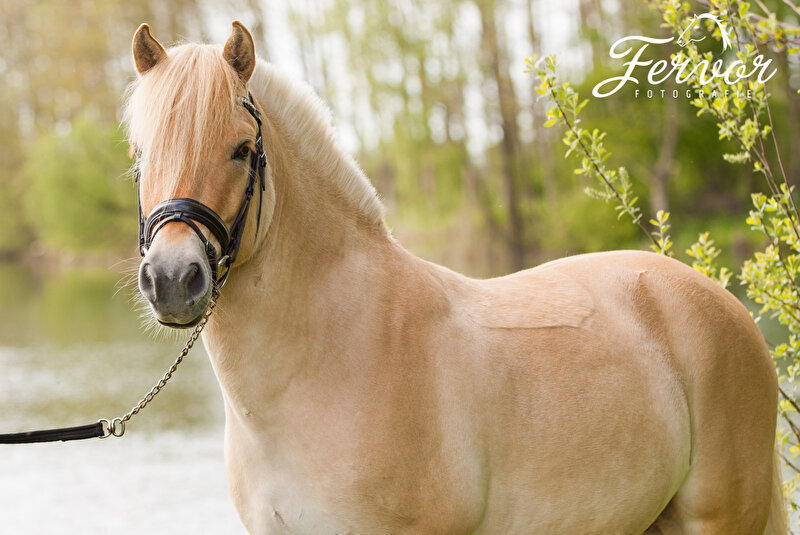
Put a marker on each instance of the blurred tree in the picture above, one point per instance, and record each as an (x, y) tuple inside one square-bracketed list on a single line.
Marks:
[(14, 233), (64, 65), (431, 93), (77, 197), (513, 160)]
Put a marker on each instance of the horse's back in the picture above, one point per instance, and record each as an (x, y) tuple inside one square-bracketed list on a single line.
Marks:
[(604, 373)]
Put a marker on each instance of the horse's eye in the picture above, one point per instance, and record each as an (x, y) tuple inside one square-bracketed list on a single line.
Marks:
[(241, 153)]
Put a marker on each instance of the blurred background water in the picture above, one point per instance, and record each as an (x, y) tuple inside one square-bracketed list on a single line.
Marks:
[(71, 351)]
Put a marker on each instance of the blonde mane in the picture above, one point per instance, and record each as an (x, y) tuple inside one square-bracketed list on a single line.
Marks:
[(308, 123), (183, 105)]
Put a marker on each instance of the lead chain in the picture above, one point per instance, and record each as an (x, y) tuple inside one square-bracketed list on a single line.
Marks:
[(116, 426)]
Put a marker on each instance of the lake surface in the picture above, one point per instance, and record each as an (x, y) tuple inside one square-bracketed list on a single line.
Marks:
[(72, 350)]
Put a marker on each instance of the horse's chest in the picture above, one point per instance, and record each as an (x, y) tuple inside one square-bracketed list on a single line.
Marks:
[(270, 501), (317, 490), (282, 506), (290, 503)]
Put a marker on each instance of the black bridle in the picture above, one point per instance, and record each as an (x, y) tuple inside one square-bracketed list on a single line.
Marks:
[(192, 212)]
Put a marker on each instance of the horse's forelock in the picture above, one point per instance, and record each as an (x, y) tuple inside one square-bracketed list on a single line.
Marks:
[(179, 110)]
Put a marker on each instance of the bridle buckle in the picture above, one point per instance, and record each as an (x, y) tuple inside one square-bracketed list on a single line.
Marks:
[(222, 276)]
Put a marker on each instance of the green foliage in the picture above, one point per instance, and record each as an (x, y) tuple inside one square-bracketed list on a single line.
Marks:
[(78, 197), (578, 226), (663, 241), (772, 275), (588, 147), (14, 233), (705, 256)]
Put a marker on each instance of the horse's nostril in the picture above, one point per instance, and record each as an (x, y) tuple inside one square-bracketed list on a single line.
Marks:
[(196, 283), (147, 283)]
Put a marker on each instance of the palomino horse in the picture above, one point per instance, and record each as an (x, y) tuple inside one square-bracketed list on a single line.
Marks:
[(367, 391)]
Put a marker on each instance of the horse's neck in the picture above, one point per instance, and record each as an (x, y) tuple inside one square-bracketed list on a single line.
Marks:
[(283, 311)]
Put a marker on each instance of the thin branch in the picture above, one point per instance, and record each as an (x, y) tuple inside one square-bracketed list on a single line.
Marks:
[(769, 14), (792, 6), (792, 426), (788, 398), (771, 124), (789, 463), (792, 221), (785, 25), (597, 168)]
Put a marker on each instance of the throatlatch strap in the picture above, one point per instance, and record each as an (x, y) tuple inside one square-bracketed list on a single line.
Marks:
[(63, 434)]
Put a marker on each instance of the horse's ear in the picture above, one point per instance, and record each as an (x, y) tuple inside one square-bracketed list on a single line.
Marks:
[(240, 51), (147, 51)]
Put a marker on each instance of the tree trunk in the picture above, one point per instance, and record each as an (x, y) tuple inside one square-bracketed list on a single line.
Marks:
[(495, 58), (666, 157), (542, 140)]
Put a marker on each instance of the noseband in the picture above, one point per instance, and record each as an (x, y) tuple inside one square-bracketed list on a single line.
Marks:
[(191, 212)]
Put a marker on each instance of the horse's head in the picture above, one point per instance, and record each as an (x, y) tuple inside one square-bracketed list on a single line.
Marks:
[(200, 166), (686, 35)]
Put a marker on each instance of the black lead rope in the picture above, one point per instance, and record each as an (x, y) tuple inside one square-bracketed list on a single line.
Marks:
[(63, 434), (191, 212)]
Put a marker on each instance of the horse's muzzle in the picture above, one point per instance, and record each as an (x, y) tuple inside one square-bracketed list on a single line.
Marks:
[(177, 291)]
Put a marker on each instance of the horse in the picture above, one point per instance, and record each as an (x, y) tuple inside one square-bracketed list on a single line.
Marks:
[(368, 391)]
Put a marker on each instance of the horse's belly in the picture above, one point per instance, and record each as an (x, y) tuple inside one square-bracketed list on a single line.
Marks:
[(598, 494), (586, 483), (592, 439)]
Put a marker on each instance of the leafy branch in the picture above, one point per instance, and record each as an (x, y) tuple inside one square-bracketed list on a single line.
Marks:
[(589, 148)]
